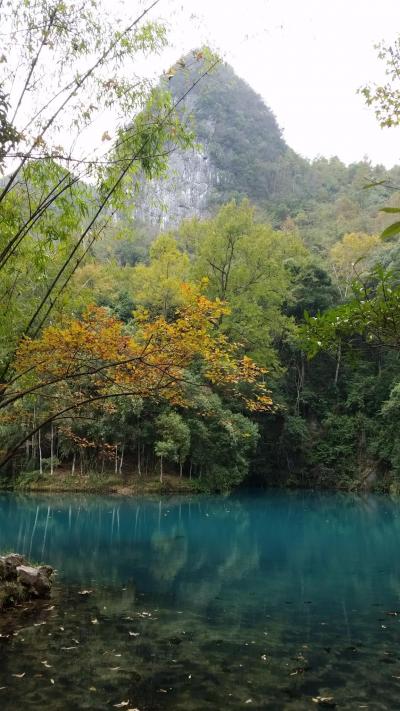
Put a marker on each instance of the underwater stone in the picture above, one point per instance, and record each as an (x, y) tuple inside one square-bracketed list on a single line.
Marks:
[(36, 580), (9, 564)]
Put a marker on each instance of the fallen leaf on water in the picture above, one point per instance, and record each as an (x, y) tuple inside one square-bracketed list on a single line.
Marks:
[(62, 629), (38, 624), (52, 681), (19, 676), (66, 649), (134, 634), (264, 657), (249, 701), (46, 664), (92, 688), (95, 621), (85, 592), (50, 608), (115, 668), (121, 705)]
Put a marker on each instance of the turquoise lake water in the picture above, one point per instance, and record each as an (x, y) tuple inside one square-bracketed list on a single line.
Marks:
[(261, 601)]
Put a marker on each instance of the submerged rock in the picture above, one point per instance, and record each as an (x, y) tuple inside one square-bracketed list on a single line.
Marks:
[(9, 564), (20, 581), (37, 580)]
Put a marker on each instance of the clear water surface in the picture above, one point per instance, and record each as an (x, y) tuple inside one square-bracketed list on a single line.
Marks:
[(253, 602)]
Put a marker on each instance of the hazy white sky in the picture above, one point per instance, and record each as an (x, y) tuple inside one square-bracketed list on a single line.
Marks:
[(306, 58)]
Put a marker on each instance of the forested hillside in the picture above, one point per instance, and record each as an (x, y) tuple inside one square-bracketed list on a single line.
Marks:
[(241, 153), (198, 349)]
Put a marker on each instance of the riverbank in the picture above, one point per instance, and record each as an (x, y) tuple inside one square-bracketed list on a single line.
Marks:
[(92, 483), (130, 484)]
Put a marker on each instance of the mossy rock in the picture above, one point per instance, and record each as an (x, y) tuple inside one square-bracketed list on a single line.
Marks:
[(20, 581), (12, 593)]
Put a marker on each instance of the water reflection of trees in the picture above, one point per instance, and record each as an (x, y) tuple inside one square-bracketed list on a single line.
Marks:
[(290, 575), (294, 547)]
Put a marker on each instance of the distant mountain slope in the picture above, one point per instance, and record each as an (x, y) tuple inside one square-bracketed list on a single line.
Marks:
[(242, 154)]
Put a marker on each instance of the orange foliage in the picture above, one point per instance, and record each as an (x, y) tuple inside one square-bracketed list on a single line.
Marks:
[(96, 358)]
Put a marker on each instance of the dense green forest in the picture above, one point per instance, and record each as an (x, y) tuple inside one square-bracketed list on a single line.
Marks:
[(254, 345)]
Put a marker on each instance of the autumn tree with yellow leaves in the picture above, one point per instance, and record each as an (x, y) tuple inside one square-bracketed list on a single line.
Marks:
[(93, 360)]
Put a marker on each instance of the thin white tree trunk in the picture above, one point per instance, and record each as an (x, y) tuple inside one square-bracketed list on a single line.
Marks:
[(73, 465), (116, 459), (338, 359), (40, 453), (51, 450), (161, 469), (33, 443), (121, 458)]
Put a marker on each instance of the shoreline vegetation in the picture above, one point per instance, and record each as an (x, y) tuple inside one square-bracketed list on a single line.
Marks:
[(93, 483), (131, 484)]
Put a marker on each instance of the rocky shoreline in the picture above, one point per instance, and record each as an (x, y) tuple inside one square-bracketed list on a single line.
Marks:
[(21, 581)]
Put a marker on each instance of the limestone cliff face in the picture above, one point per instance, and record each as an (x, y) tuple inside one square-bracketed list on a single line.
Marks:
[(183, 193), (241, 147)]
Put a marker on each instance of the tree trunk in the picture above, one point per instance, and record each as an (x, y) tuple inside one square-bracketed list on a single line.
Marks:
[(190, 470), (121, 459), (40, 453), (161, 469), (73, 465), (116, 459), (338, 358), (139, 463), (299, 384), (51, 450), (33, 441), (180, 469)]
